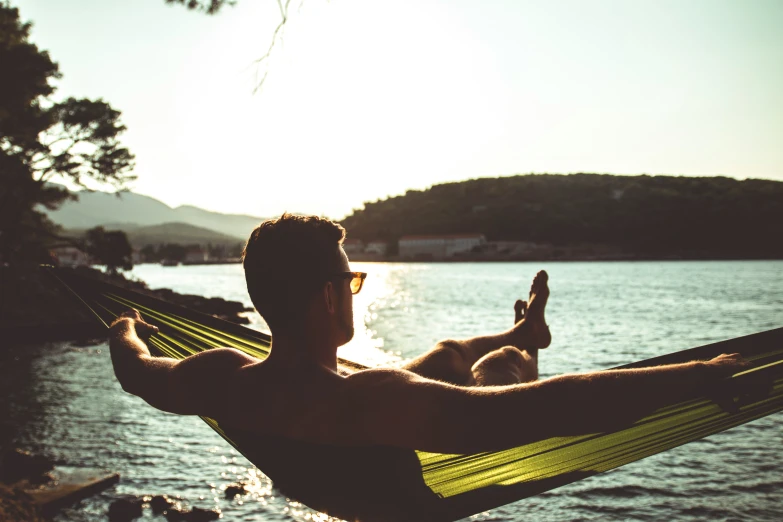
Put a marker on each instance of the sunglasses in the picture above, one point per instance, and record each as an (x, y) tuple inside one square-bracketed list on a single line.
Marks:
[(357, 279)]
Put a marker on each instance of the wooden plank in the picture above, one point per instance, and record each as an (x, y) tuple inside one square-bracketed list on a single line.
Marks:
[(71, 487)]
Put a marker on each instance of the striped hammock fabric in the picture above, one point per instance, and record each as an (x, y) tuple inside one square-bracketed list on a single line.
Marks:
[(468, 484)]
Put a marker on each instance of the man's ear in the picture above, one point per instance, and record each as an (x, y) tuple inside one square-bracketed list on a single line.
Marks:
[(329, 297)]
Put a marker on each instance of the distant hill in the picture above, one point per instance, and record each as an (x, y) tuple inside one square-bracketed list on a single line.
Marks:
[(130, 210), (172, 233), (180, 233), (658, 216)]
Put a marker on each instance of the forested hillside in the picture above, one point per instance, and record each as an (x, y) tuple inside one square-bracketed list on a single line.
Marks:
[(642, 215)]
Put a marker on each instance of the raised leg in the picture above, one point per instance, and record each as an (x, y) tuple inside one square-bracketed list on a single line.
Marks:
[(507, 365), (453, 361), (445, 362)]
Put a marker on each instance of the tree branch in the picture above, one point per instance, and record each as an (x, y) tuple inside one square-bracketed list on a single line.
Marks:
[(284, 19)]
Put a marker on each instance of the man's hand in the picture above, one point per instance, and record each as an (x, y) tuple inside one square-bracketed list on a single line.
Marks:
[(726, 365), (128, 336), (131, 320), (731, 394), (202, 384)]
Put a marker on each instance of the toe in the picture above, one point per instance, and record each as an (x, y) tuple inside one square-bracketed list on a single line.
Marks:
[(539, 282), (520, 309)]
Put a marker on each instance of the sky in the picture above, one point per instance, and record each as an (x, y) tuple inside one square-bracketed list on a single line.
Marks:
[(367, 99)]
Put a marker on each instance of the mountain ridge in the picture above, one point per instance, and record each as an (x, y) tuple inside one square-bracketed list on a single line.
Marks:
[(107, 209)]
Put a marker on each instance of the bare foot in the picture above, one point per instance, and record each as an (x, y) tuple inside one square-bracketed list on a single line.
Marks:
[(531, 326)]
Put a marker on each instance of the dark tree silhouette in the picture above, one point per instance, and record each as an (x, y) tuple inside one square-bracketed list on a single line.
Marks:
[(110, 248), (164, 252), (42, 139)]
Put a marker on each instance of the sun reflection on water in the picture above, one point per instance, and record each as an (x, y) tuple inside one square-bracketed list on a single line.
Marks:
[(382, 290), (386, 290)]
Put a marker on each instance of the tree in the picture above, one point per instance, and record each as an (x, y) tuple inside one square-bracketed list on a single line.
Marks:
[(172, 252), (110, 248), (207, 6), (149, 253), (42, 139)]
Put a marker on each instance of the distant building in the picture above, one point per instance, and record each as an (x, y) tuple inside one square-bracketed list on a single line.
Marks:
[(353, 246), (377, 248), (71, 256), (196, 255), (511, 247), (438, 247)]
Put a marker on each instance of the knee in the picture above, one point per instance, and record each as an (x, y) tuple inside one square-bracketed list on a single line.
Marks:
[(511, 355), (451, 349), (449, 356), (504, 366), (504, 357)]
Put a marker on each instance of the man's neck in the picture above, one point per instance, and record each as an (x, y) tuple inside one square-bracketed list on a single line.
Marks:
[(296, 351)]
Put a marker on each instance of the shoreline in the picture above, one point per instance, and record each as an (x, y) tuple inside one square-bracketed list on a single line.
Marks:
[(549, 259), (359, 258), (37, 308)]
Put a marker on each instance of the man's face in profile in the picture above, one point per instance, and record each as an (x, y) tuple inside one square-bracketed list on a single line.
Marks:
[(344, 301)]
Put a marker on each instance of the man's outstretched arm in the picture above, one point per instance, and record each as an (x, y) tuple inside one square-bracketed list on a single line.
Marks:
[(197, 385), (397, 408)]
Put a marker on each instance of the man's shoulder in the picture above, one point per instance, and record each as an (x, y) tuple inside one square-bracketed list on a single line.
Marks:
[(375, 376), (382, 383)]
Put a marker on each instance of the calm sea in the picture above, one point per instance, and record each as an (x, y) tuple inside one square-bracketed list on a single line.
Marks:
[(65, 399)]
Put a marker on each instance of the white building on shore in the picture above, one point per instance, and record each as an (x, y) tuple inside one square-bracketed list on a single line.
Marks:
[(377, 247), (195, 255), (353, 246), (439, 246)]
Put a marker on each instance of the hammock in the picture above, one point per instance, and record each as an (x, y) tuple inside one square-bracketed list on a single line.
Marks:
[(468, 484)]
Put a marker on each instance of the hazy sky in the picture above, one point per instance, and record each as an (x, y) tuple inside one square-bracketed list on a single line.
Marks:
[(366, 99)]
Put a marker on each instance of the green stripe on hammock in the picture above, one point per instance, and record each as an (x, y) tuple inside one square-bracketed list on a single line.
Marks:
[(467, 484)]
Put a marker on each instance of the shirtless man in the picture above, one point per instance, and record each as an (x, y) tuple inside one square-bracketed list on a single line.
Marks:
[(344, 443)]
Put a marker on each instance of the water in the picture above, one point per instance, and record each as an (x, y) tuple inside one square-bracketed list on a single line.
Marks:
[(65, 399)]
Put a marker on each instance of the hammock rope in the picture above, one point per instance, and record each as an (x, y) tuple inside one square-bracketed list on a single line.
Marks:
[(467, 484)]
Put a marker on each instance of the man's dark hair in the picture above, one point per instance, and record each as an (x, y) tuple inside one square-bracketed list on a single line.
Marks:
[(286, 260)]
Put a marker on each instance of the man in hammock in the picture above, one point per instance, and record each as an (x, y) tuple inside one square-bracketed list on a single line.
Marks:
[(344, 443)]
